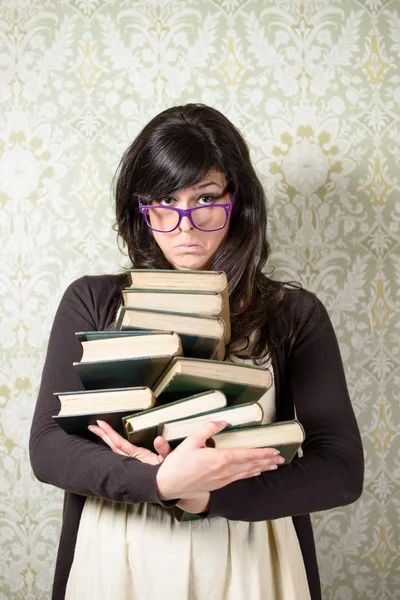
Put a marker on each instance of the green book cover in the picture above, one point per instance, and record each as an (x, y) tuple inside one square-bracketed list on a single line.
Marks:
[(78, 424), (212, 415), (144, 437), (88, 336), (126, 372), (287, 449), (183, 385), (194, 346)]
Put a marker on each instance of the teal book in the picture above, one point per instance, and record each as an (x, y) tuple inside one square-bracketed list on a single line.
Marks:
[(83, 408), (243, 415), (124, 372), (88, 336), (201, 337), (186, 376), (116, 359), (143, 428), (285, 436)]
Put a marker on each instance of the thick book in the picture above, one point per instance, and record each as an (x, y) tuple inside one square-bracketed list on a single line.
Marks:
[(124, 359), (185, 376), (211, 304), (243, 415), (123, 372), (201, 337), (143, 428), (285, 436), (113, 345), (161, 279), (83, 408)]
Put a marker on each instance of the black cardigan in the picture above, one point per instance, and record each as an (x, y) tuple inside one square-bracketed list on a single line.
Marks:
[(308, 374)]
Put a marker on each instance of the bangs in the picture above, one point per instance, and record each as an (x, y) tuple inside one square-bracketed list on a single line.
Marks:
[(175, 162)]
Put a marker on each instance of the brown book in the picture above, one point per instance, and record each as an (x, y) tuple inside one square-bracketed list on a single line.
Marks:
[(195, 282)]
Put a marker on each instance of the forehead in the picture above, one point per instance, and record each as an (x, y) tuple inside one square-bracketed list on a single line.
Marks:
[(213, 177)]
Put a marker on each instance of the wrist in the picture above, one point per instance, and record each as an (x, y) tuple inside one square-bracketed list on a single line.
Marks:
[(162, 489), (196, 505)]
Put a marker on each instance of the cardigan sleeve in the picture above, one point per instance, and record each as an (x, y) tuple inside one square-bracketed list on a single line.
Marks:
[(330, 472), (71, 462)]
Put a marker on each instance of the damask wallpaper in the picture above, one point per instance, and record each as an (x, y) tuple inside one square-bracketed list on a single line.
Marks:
[(315, 88)]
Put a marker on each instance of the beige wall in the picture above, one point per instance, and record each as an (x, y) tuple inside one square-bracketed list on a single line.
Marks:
[(315, 88)]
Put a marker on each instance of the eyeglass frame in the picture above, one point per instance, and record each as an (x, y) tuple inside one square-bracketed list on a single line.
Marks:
[(186, 212)]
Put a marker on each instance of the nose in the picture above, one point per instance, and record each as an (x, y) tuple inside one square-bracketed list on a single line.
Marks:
[(185, 224)]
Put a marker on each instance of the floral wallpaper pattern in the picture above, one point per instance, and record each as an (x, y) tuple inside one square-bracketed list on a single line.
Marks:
[(314, 86)]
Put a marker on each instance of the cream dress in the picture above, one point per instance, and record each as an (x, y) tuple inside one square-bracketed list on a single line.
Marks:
[(140, 552)]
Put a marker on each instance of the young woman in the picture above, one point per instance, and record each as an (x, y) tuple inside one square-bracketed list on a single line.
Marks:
[(187, 197)]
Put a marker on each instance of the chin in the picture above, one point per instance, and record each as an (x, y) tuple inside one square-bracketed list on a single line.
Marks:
[(190, 263)]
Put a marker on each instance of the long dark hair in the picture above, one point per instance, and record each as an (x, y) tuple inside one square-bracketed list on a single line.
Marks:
[(177, 148)]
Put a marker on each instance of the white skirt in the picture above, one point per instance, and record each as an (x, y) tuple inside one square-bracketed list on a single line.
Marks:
[(140, 552)]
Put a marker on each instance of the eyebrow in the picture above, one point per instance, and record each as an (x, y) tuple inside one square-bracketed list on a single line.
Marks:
[(203, 185)]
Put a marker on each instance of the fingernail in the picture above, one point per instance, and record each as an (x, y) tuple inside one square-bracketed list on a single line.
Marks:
[(275, 453), (281, 460), (90, 427), (273, 467)]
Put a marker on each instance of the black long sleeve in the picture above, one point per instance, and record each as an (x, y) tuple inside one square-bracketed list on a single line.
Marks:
[(331, 471)]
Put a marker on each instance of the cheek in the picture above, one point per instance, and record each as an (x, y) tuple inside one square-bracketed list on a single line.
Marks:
[(162, 240)]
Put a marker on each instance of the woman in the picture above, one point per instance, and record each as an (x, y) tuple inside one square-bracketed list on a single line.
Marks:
[(259, 543)]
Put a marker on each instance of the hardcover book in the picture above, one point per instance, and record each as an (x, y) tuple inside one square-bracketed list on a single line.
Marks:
[(210, 304), (80, 409), (143, 428), (285, 436), (185, 376), (243, 415), (201, 337)]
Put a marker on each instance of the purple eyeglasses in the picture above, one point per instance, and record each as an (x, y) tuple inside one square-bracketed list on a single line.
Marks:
[(165, 219)]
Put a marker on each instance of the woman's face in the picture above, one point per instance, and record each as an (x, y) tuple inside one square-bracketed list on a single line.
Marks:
[(187, 247)]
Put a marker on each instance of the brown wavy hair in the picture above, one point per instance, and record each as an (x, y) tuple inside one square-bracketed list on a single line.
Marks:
[(177, 149)]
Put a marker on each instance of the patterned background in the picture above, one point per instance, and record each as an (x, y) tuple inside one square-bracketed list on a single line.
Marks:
[(315, 88)]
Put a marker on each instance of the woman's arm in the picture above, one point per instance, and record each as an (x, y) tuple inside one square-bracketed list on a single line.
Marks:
[(331, 471), (67, 461)]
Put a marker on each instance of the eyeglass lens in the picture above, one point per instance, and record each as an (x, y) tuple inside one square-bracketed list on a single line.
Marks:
[(207, 217)]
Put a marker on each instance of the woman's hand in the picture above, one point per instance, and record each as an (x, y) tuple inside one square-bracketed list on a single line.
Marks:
[(193, 469), (120, 445)]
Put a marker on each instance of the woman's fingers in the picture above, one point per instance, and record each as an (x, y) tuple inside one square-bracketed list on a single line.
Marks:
[(162, 447), (120, 445), (199, 438)]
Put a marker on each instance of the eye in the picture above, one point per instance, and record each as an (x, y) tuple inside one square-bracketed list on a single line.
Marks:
[(169, 201), (207, 199)]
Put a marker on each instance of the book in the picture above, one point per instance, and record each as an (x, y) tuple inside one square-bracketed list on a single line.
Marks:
[(143, 428), (83, 408), (113, 345), (211, 304), (185, 376), (139, 365), (201, 337), (243, 415), (168, 279), (285, 436)]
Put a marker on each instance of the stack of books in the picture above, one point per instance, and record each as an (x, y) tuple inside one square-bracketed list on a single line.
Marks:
[(162, 371)]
